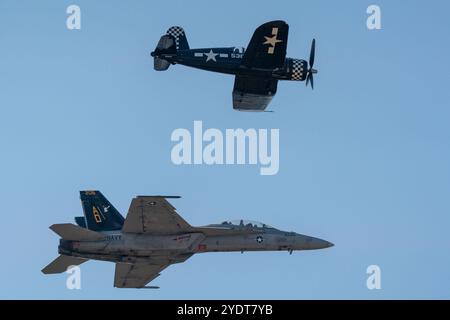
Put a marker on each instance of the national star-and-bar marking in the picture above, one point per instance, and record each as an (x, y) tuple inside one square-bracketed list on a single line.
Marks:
[(211, 56), (272, 41)]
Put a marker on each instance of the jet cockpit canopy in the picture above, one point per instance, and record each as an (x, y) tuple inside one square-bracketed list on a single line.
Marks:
[(246, 223)]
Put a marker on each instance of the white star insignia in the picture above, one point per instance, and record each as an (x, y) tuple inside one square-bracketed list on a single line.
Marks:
[(272, 40), (211, 56)]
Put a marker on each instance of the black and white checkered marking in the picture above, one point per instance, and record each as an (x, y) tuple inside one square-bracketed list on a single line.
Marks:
[(176, 32), (297, 70)]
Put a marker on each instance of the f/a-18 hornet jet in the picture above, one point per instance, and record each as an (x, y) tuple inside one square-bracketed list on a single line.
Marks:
[(154, 236), (257, 69)]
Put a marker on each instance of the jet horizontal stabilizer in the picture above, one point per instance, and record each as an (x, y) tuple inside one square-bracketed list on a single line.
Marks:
[(166, 197), (69, 231), (61, 264)]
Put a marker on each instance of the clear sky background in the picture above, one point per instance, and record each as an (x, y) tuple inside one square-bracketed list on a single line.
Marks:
[(364, 158)]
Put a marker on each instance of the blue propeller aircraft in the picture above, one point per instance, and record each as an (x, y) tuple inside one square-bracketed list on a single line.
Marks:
[(257, 69)]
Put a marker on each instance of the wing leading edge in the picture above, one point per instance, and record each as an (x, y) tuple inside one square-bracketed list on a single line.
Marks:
[(154, 214)]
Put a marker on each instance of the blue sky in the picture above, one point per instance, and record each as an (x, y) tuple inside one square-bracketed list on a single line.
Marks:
[(364, 158)]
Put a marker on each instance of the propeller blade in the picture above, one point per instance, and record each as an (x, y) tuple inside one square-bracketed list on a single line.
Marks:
[(310, 78), (313, 53), (311, 70)]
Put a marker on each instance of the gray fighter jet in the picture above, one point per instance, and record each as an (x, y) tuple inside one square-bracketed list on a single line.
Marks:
[(154, 236)]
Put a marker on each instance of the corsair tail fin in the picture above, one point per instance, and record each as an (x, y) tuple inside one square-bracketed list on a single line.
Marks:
[(100, 214), (179, 35), (169, 44), (62, 263)]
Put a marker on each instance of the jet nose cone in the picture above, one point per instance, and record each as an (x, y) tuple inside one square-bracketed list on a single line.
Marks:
[(303, 242), (317, 243)]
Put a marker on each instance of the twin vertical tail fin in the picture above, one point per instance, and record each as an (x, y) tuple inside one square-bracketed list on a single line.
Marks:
[(99, 213), (170, 43)]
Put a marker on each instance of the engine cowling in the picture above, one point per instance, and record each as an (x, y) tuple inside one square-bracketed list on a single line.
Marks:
[(298, 69)]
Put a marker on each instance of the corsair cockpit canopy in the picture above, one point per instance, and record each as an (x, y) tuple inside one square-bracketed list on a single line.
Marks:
[(239, 50)]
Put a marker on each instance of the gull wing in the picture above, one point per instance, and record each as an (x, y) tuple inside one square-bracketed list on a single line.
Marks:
[(267, 48), (253, 94)]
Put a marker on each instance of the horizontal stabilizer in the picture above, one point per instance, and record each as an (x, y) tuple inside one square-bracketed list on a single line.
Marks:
[(167, 43), (166, 197), (160, 64), (69, 231), (61, 264)]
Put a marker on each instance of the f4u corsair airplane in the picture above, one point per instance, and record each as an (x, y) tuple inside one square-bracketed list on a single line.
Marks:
[(257, 69), (154, 236)]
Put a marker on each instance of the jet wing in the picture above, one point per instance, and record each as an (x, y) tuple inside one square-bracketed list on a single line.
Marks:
[(267, 48), (253, 94), (136, 275), (155, 215)]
